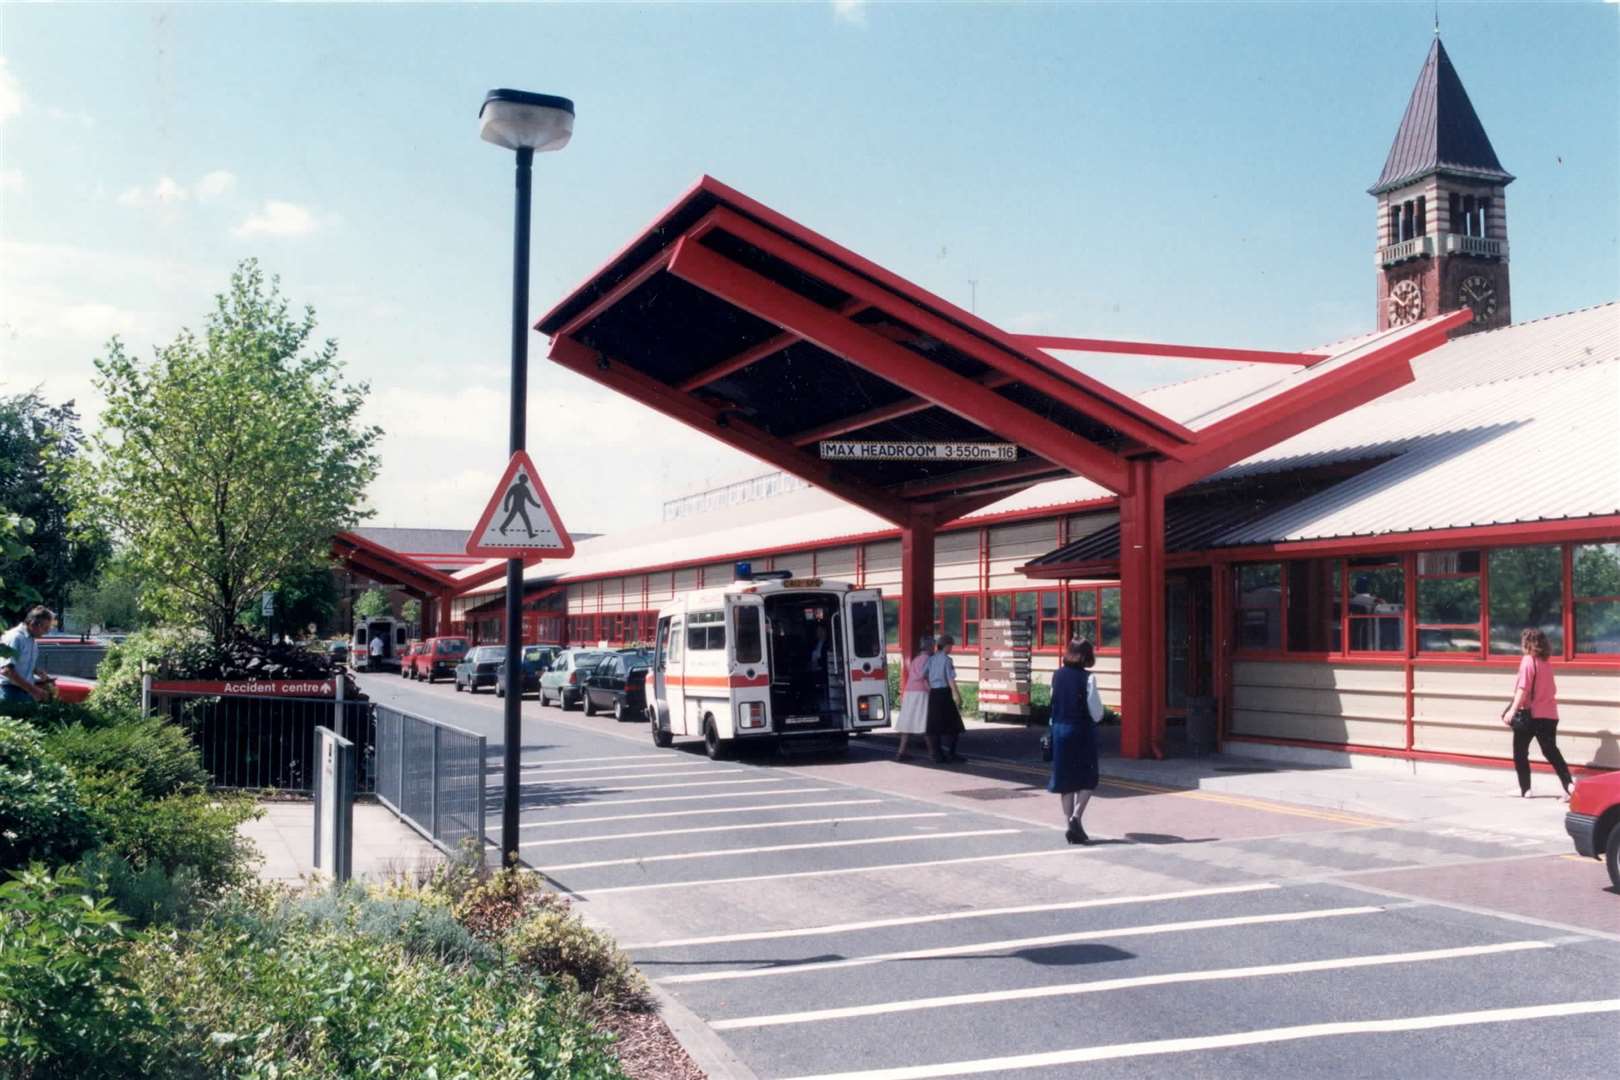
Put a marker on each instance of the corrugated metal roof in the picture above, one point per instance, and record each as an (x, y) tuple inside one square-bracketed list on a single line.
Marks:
[(1440, 131), (1516, 424)]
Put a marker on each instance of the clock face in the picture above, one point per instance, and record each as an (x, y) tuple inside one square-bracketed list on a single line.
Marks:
[(1405, 303), (1478, 293)]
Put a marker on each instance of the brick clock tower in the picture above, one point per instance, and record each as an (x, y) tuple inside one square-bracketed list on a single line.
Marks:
[(1442, 215)]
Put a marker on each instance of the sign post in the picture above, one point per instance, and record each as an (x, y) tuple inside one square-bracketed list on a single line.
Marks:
[(334, 804), (1004, 667), (521, 524)]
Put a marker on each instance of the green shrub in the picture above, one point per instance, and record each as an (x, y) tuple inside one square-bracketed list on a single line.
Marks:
[(155, 756), (493, 907), (894, 685), (423, 929), (555, 943), (118, 678), (48, 715), (195, 830), (148, 895), (67, 1006), (326, 1002), (41, 813)]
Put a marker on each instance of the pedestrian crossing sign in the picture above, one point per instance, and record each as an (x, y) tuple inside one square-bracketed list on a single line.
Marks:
[(520, 521)]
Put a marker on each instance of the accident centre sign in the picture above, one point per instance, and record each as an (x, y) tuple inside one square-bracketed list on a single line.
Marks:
[(860, 450)]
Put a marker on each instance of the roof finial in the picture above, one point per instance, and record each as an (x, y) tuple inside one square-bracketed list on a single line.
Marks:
[(1436, 18)]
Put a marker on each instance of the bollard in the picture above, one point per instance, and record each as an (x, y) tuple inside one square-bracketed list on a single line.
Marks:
[(146, 694)]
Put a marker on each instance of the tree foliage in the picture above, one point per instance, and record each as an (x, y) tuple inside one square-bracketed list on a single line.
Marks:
[(373, 604), (231, 458), (411, 611), (112, 601), (303, 596), (37, 441)]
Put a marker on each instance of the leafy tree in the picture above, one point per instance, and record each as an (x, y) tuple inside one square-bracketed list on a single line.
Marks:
[(304, 595), (113, 600), (411, 611), (16, 595), (37, 441), (231, 458), (373, 604)]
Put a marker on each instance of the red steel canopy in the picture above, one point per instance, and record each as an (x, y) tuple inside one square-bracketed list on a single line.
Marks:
[(744, 324)]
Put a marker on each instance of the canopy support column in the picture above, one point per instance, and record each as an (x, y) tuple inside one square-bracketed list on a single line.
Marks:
[(916, 582), (441, 608), (1142, 646)]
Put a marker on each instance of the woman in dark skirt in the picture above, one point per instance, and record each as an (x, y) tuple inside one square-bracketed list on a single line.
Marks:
[(944, 705), (1076, 710)]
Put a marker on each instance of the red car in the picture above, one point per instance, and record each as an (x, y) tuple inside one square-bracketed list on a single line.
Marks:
[(1593, 821), (433, 658), (73, 690)]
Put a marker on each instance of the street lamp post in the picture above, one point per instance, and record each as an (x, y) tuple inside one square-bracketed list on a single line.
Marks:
[(524, 122)]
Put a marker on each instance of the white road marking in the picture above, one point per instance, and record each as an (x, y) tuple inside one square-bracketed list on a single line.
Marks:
[(977, 948), (581, 780), (581, 760), (716, 810), (837, 871), (864, 842), (732, 828), (667, 787), (1219, 1042), (609, 768), (639, 800), (948, 916), (1098, 986)]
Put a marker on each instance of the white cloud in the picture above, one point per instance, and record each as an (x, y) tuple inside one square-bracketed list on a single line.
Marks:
[(11, 95), (166, 192), (278, 218), (12, 180), (850, 11), (215, 184), (77, 116)]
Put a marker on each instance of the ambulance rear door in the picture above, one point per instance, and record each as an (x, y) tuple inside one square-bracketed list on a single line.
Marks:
[(750, 668), (868, 662)]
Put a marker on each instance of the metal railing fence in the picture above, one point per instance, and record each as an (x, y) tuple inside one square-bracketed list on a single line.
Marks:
[(432, 775), (257, 742)]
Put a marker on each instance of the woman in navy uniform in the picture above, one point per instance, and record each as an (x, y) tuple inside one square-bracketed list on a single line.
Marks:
[(1076, 710)]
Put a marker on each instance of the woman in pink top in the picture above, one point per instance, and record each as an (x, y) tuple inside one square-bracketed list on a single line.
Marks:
[(914, 696), (1537, 690)]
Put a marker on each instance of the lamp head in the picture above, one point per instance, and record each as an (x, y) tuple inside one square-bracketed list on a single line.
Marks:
[(517, 120)]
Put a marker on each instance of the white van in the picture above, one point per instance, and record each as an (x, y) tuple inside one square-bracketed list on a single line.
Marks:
[(769, 658), (394, 634)]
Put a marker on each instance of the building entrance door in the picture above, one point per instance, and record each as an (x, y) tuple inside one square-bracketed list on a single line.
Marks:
[(1189, 638)]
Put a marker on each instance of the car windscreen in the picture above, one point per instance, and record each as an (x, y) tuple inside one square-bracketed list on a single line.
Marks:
[(452, 647), (484, 656), (536, 655)]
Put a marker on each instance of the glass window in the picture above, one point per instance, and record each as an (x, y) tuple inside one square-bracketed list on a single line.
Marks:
[(1315, 602), (1083, 615), (863, 627), (675, 639), (1596, 593), (1448, 606), (950, 617), (891, 622), (706, 630), (1257, 605), (750, 643), (1024, 607), (1001, 606), (970, 621), (1377, 606), (1108, 602), (1527, 589), (1051, 628)]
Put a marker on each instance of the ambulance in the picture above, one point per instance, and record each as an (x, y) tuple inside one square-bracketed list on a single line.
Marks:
[(770, 658)]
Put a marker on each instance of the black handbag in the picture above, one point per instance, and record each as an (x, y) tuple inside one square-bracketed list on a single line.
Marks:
[(1046, 747), (1522, 719)]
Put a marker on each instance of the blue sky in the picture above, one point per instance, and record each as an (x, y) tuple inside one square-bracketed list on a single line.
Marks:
[(1189, 172)]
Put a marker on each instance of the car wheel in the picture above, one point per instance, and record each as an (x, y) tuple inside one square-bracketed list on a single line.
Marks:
[(458, 686), (1612, 855), (619, 712), (590, 703), (563, 702), (717, 748)]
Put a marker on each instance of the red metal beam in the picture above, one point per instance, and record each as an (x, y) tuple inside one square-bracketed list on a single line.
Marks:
[(1186, 352), (998, 475), (1160, 433), (769, 347), (860, 346), (718, 423)]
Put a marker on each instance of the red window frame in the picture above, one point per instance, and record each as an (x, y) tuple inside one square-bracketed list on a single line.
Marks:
[(1093, 626), (1420, 624), (964, 627), (1043, 608), (1574, 601)]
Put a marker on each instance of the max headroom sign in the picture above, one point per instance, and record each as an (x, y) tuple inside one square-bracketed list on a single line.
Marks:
[(855, 450)]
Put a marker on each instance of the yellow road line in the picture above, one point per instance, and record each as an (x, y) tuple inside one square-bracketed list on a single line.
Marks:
[(1207, 796)]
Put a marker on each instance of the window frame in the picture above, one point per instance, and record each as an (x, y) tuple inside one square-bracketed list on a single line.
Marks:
[(1481, 598)]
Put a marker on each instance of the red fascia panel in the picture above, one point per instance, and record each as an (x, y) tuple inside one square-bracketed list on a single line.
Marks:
[(715, 422), (964, 397), (945, 308), (389, 557), (1154, 431), (1569, 530), (1186, 352)]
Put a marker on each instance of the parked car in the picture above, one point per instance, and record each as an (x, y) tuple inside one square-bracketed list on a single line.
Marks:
[(1593, 821), (564, 682), (477, 668), (338, 651), (435, 657), (73, 690), (536, 660), (619, 685), (406, 651)]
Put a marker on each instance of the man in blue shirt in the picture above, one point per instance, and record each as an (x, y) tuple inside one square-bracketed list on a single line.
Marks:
[(19, 681)]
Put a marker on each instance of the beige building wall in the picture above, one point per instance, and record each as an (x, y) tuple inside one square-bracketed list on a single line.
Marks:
[(1328, 702), (1457, 710)]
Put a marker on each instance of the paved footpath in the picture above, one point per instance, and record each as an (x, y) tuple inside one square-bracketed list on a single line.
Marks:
[(858, 917)]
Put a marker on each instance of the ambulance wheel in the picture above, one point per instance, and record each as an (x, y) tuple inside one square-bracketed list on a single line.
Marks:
[(661, 738), (717, 748), (590, 705)]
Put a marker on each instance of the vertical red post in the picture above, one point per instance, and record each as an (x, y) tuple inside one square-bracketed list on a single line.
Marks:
[(1142, 646), (916, 582), (441, 607)]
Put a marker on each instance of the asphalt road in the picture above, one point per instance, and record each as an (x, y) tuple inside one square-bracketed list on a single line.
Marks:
[(862, 918)]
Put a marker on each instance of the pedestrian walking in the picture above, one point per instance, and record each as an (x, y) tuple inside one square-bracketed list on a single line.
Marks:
[(914, 695), (1533, 712), (20, 676), (1076, 710), (944, 725)]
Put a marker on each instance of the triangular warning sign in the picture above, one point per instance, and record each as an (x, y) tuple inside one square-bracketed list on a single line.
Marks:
[(520, 520)]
